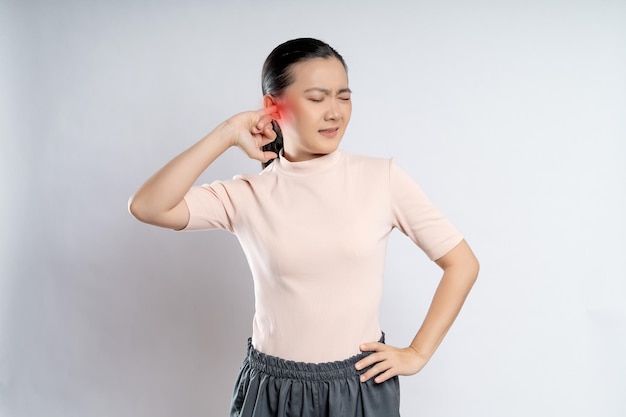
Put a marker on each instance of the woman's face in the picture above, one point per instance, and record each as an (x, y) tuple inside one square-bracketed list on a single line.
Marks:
[(315, 109)]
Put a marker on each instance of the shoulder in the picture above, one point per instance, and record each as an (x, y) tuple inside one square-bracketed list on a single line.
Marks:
[(250, 180), (367, 162), (380, 169)]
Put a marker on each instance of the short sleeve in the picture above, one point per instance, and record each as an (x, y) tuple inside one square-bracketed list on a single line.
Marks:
[(415, 215), (210, 207)]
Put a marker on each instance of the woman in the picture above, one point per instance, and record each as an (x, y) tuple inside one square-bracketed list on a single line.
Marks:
[(314, 226)]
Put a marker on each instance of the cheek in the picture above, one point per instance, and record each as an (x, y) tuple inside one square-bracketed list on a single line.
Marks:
[(291, 111), (348, 111), (299, 115)]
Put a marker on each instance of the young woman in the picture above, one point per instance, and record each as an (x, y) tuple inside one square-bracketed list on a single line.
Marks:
[(314, 226)]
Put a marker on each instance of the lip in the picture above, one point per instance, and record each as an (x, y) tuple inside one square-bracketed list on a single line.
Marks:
[(329, 133)]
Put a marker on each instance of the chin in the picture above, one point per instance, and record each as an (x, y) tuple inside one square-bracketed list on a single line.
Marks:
[(329, 147)]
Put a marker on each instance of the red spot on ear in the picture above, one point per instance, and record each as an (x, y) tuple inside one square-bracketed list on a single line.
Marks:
[(279, 111)]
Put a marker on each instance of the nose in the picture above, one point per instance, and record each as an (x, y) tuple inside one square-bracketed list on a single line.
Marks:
[(332, 112)]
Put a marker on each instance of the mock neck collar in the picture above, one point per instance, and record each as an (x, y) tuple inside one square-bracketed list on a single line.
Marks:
[(310, 166)]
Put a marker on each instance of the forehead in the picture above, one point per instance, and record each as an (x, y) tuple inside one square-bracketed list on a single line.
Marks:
[(319, 72)]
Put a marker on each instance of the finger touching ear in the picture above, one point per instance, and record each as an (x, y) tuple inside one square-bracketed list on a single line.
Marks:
[(271, 101)]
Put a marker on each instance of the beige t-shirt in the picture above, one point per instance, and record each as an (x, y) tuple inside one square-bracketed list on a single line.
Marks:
[(315, 235)]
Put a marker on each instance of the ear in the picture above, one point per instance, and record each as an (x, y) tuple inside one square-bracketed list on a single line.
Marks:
[(269, 101)]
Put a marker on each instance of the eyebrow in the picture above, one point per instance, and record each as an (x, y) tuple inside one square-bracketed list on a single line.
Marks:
[(327, 91)]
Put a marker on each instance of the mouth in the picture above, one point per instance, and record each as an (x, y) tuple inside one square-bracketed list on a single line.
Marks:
[(329, 133)]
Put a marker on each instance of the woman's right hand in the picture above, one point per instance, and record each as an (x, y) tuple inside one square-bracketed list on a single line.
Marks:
[(252, 130)]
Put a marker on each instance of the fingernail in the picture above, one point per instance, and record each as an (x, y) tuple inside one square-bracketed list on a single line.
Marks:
[(362, 378)]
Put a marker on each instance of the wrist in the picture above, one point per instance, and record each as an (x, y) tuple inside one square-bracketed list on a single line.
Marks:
[(420, 353), (225, 133)]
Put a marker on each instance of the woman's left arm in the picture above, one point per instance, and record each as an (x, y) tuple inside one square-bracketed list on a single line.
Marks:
[(460, 270)]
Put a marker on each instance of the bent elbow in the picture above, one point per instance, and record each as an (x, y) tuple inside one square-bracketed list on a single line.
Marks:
[(137, 210), (472, 266), (475, 268), (150, 213)]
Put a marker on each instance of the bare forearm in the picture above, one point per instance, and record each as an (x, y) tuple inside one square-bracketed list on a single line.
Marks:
[(167, 187), (160, 200), (460, 271), (445, 307), (450, 296)]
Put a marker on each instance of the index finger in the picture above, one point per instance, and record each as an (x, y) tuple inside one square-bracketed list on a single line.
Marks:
[(371, 346), (268, 110)]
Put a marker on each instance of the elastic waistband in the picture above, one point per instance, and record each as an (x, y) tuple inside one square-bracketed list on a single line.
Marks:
[(283, 368)]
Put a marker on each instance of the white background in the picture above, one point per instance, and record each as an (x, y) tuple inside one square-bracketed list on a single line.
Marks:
[(511, 115)]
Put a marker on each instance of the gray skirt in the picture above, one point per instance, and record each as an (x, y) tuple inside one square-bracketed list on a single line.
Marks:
[(268, 386)]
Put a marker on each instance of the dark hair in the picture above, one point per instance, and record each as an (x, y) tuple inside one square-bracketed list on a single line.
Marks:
[(277, 73)]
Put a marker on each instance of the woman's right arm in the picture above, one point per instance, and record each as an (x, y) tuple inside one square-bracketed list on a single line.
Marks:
[(160, 200)]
